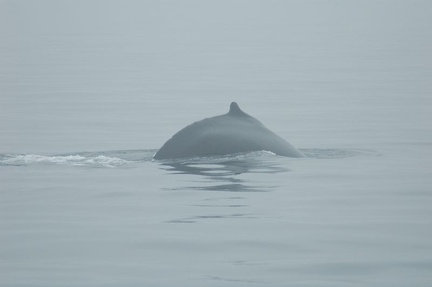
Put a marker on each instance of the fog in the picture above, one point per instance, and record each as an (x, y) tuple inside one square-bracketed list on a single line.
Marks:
[(89, 90)]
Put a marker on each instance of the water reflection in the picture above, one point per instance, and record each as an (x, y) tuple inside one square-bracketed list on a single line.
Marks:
[(255, 162), (224, 173), (257, 172), (194, 219), (242, 172)]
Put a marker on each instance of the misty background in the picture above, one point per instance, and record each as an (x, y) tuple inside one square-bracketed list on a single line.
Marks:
[(89, 90), (109, 75)]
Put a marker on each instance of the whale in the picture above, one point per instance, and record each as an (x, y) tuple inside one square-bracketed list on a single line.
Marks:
[(231, 133)]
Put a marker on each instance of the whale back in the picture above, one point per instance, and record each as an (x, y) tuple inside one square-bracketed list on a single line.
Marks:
[(230, 133)]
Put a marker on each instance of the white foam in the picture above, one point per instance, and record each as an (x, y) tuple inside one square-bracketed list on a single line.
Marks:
[(105, 161), (72, 160)]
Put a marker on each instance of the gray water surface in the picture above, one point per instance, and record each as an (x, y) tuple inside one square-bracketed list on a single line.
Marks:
[(89, 90)]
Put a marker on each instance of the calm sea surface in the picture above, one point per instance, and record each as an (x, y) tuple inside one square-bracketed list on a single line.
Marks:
[(89, 90)]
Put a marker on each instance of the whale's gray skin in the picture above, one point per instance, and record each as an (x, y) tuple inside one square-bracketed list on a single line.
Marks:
[(233, 132)]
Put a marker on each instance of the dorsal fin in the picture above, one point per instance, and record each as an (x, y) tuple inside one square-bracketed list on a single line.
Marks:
[(235, 110)]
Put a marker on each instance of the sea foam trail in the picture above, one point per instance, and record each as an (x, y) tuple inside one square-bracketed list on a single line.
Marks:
[(110, 159), (32, 159)]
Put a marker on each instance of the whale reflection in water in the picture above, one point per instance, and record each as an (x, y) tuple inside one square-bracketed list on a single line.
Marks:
[(221, 173)]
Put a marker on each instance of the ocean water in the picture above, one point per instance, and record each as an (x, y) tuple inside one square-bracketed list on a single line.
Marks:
[(89, 90)]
